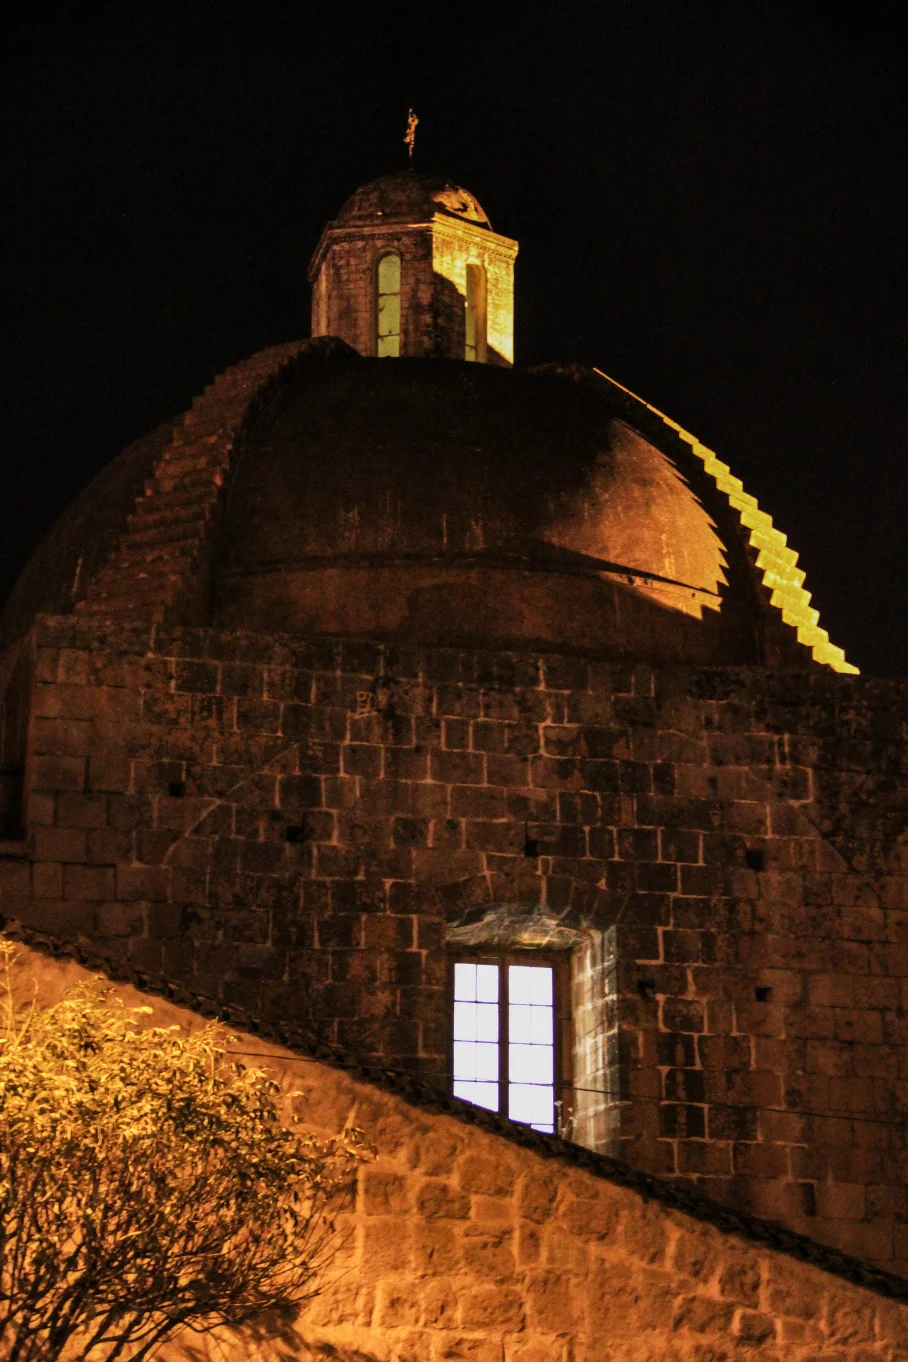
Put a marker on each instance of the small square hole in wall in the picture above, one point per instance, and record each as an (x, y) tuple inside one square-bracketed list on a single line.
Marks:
[(763, 993), (755, 860), (176, 789), (531, 847), (295, 833), (646, 988)]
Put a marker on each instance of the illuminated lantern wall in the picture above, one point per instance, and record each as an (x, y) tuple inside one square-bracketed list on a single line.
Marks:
[(456, 276)]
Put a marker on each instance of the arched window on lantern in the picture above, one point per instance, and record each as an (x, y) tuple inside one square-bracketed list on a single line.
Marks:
[(387, 304), (475, 316)]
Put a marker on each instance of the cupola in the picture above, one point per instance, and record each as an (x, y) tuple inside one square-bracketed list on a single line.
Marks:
[(411, 266)]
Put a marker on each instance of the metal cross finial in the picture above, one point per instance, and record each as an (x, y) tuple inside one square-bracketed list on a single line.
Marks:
[(410, 136)]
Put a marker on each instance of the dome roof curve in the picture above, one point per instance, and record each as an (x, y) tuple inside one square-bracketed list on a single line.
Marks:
[(408, 196), (311, 491), (468, 504)]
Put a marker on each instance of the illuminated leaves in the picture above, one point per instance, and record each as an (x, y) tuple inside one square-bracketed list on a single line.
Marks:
[(147, 1184)]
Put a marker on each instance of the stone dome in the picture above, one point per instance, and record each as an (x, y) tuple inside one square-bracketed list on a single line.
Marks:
[(407, 196), (311, 491), (440, 501)]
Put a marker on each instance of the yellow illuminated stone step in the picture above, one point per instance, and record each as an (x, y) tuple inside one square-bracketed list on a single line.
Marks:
[(775, 560)]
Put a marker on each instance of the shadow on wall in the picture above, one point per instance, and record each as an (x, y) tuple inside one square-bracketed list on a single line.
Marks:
[(276, 1337), (459, 602), (447, 325)]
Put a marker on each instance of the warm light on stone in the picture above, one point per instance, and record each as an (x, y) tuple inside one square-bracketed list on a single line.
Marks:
[(437, 230), (358, 671)]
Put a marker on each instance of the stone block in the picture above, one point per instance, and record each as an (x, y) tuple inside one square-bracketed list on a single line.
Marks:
[(492, 1307), (78, 810), (482, 1174), (195, 677), (754, 1328), (550, 1303), (15, 879), (118, 919), (61, 844), (702, 1315), (83, 882), (58, 772), (141, 882), (47, 880), (740, 1279)]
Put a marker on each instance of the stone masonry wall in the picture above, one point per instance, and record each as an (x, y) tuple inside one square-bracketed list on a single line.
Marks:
[(464, 1245), (433, 260), (292, 826), (344, 291)]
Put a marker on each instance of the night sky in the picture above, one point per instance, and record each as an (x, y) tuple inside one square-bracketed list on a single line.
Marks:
[(710, 202)]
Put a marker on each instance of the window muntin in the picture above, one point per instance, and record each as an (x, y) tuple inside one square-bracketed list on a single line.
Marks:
[(505, 1037), (387, 305), (475, 314)]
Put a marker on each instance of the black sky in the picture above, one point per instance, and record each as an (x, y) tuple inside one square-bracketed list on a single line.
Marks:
[(710, 200)]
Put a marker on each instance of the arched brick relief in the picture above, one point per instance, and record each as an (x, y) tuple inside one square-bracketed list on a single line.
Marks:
[(160, 569)]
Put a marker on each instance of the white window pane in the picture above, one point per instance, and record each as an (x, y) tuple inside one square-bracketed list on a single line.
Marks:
[(520, 1024), (520, 983), (541, 986), (487, 983), (520, 1102), (520, 1063), (465, 1058), (487, 1062), (480, 1094), (486, 1021), (540, 1025), (465, 982), (465, 1021), (538, 1065), (543, 1106), (543, 1064), (388, 346)]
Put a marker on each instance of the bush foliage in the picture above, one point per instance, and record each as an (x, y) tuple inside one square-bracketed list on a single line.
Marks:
[(148, 1184)]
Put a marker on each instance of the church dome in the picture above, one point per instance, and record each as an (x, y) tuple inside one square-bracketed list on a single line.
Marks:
[(396, 478), (407, 196), (445, 502), (311, 491)]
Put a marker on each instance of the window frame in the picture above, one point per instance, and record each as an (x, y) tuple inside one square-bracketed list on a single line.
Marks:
[(559, 961)]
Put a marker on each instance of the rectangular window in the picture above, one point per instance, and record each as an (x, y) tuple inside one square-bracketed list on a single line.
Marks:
[(508, 1036)]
